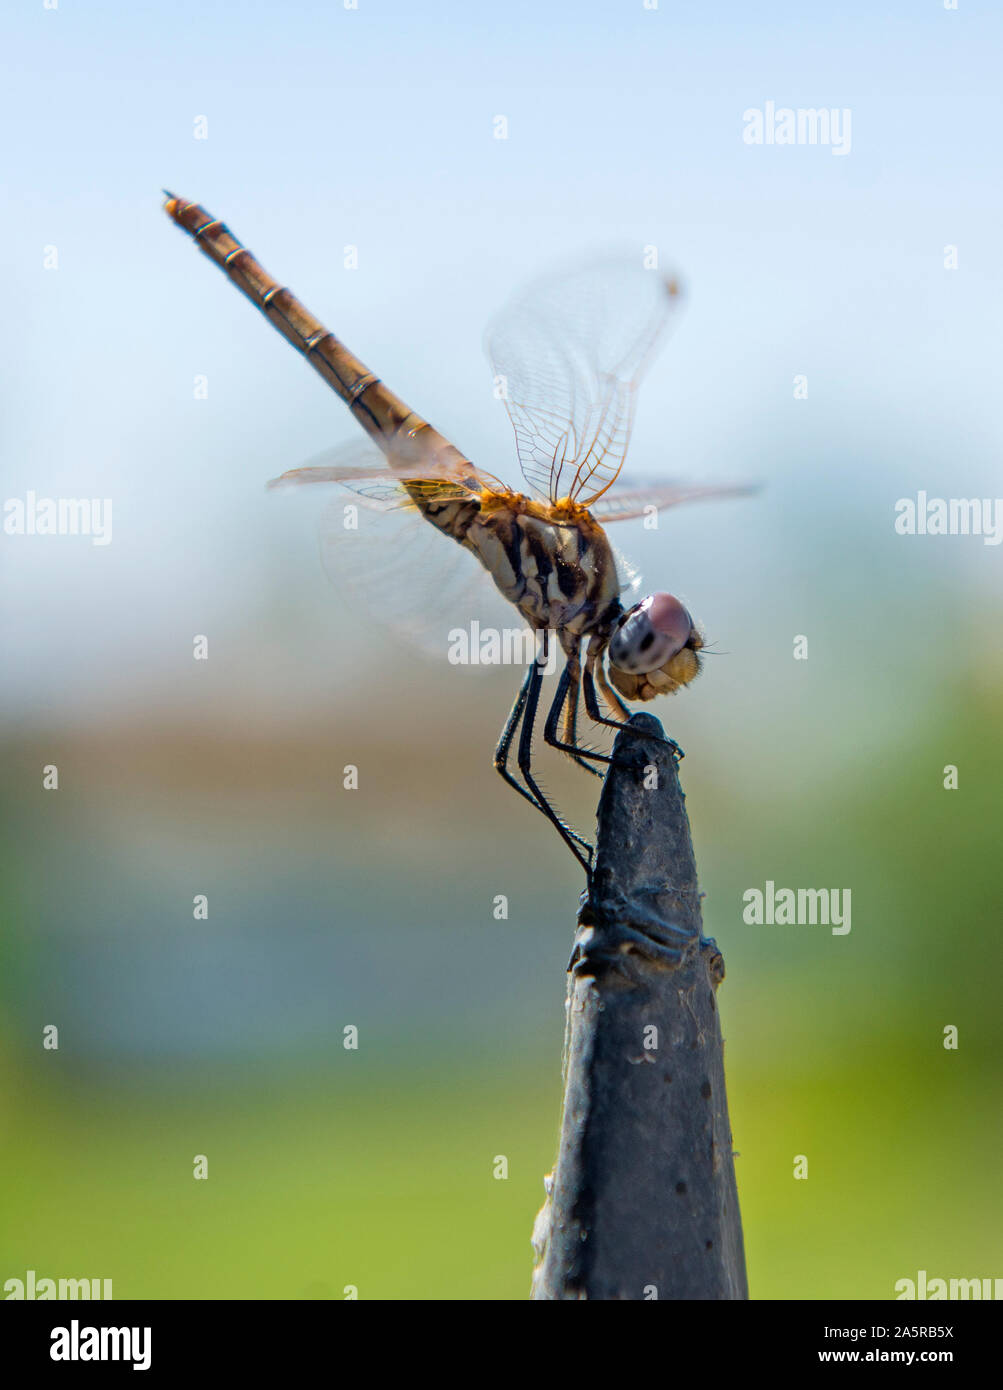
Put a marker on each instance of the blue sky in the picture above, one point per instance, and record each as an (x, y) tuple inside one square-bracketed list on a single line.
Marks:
[(373, 128)]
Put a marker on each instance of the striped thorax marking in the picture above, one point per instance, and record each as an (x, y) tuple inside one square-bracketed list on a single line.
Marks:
[(555, 567)]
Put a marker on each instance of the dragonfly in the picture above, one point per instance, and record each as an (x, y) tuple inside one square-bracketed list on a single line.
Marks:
[(568, 354)]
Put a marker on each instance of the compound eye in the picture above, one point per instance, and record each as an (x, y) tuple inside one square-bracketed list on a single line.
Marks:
[(669, 617), (654, 631)]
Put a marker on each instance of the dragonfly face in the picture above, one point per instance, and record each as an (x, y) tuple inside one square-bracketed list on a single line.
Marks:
[(567, 357), (653, 648)]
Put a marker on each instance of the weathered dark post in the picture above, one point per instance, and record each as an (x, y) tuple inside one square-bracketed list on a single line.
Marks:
[(642, 1202)]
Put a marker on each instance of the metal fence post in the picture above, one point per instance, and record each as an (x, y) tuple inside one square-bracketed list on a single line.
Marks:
[(642, 1202)]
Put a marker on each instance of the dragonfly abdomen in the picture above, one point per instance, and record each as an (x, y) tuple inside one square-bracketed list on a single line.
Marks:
[(385, 417)]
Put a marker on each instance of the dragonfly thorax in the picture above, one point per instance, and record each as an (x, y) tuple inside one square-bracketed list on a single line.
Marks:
[(553, 562)]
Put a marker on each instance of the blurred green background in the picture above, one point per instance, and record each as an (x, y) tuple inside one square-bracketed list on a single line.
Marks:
[(328, 908), (374, 1168)]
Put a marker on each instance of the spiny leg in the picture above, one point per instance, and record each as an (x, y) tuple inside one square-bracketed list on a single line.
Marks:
[(612, 699), (525, 760), (567, 696), (507, 736), (505, 745), (571, 712)]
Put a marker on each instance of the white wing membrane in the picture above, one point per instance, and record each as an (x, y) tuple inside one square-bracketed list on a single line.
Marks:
[(362, 467), (570, 351), (414, 582), (639, 497)]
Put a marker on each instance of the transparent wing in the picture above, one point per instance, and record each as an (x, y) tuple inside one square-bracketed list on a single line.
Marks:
[(363, 468), (381, 555), (636, 498), (567, 354)]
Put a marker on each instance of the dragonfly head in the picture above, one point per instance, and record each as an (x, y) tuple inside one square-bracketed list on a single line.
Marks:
[(653, 648)]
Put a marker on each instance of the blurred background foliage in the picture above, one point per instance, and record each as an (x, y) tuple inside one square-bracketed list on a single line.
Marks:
[(329, 1167), (373, 908)]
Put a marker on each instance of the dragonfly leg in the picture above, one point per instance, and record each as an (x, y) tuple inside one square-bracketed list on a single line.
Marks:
[(508, 734), (609, 694), (566, 698), (505, 746), (613, 700), (573, 841)]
